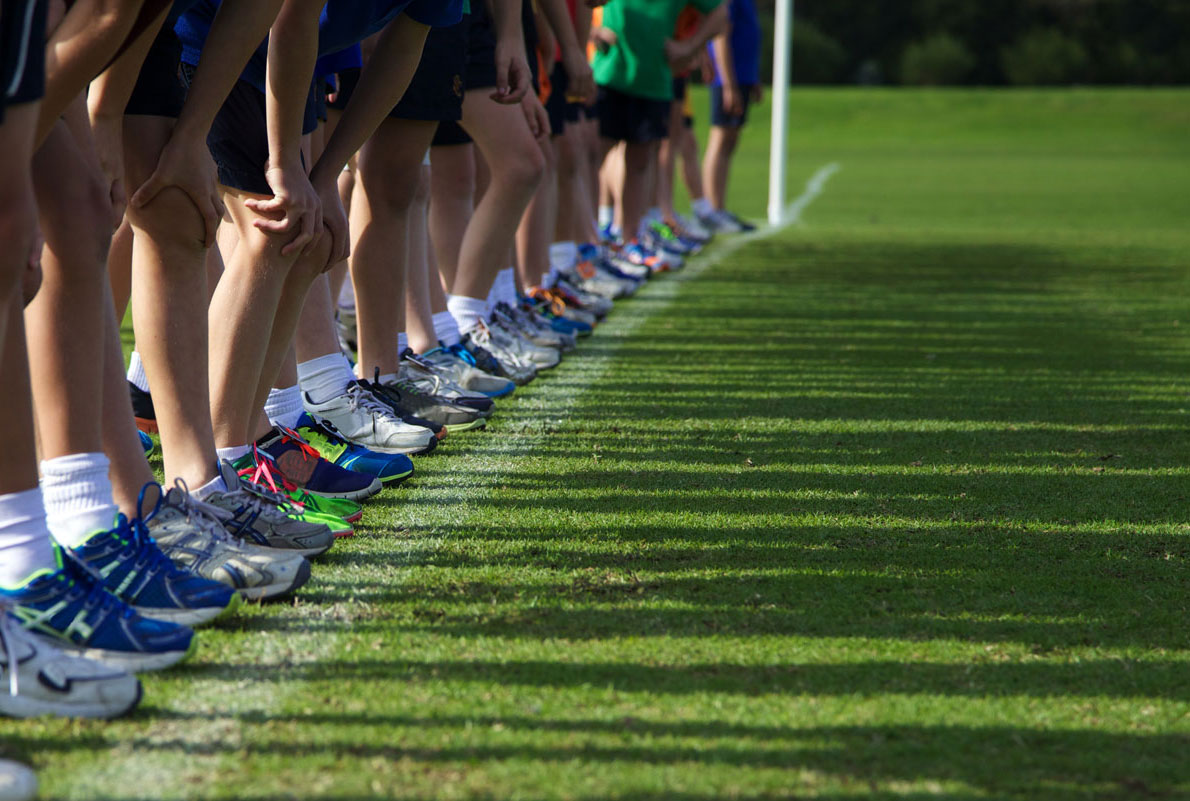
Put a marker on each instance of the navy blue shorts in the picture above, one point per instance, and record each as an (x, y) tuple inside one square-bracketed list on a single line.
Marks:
[(159, 90), (22, 53), (561, 110), (720, 117)]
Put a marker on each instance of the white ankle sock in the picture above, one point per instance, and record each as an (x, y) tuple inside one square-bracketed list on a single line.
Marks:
[(402, 342), (446, 329), (325, 377), (284, 406), (216, 484), (506, 287), (702, 207), (466, 311), (232, 453), (26, 546), (78, 497), (606, 215), (346, 300), (136, 373)]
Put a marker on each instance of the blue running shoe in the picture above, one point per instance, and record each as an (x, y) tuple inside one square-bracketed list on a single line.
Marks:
[(463, 368), (72, 610), (390, 468), (146, 442), (134, 569), (304, 466)]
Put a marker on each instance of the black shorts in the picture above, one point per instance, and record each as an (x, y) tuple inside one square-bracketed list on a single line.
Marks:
[(720, 117), (239, 138), (630, 118), (679, 88), (22, 53), (480, 71), (450, 133), (561, 110), (435, 93), (159, 90)]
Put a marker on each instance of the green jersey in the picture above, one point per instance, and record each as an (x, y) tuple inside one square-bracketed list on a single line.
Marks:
[(636, 64)]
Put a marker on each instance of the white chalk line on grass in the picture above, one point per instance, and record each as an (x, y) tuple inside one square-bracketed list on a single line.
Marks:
[(471, 482)]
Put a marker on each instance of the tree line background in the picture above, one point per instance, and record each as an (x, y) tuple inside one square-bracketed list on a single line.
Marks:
[(987, 42)]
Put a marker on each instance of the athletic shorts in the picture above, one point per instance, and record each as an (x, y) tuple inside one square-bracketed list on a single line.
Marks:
[(720, 117), (561, 110), (630, 118), (22, 53), (239, 137), (435, 93), (679, 88), (159, 90)]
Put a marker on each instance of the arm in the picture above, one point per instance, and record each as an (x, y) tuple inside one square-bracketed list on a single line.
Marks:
[(574, 56), (681, 54), (381, 86), (78, 49), (732, 103), (512, 71), (107, 98), (292, 53), (186, 163)]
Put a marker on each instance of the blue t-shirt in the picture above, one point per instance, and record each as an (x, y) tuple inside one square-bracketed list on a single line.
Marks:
[(343, 23), (745, 43)]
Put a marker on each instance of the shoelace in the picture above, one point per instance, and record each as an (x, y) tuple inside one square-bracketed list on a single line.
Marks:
[(205, 517), (288, 435), (140, 546), (360, 399), (266, 468)]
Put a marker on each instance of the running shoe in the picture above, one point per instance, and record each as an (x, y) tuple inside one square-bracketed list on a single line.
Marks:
[(17, 782), (133, 568), (390, 468), (429, 379), (266, 519), (573, 296), (142, 409), (362, 418), (457, 364), (662, 237), (519, 370), (146, 442), (743, 224), (633, 260), (694, 228), (548, 312), (542, 336), (509, 338), (303, 466), (37, 679), (404, 395), (71, 609), (557, 303), (260, 471), (194, 536), (660, 257)]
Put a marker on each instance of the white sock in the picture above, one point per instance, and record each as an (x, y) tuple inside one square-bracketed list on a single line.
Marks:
[(325, 377), (563, 255), (136, 373), (507, 283), (446, 329), (346, 300), (26, 546), (466, 311), (216, 484), (402, 342), (284, 406), (702, 207), (493, 297), (232, 453), (78, 497), (606, 215), (653, 214)]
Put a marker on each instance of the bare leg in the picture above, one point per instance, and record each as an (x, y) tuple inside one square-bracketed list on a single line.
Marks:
[(516, 165), (576, 215), (168, 260), (720, 148), (388, 167), (640, 169), (691, 166), (316, 335), (535, 233), (452, 192), (419, 311), (666, 158)]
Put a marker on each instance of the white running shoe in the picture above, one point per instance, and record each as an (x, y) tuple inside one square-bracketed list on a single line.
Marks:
[(194, 536), (519, 369), (510, 338), (17, 782), (366, 420), (38, 679)]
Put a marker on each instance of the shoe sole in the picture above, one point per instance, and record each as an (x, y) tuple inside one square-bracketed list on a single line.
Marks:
[(268, 592), (22, 706), (191, 617), (354, 495), (474, 425), (129, 662)]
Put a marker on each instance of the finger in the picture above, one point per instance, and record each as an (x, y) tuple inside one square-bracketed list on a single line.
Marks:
[(502, 78), (148, 190), (265, 205), (297, 244), (273, 226), (210, 221)]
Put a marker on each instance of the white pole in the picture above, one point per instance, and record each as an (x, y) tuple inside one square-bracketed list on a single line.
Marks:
[(780, 93)]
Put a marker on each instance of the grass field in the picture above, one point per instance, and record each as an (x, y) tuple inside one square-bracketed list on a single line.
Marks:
[(889, 504)]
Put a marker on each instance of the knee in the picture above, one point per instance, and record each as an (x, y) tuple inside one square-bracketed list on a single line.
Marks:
[(312, 264), (385, 187), (523, 172), (421, 192), (171, 220), (88, 205)]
